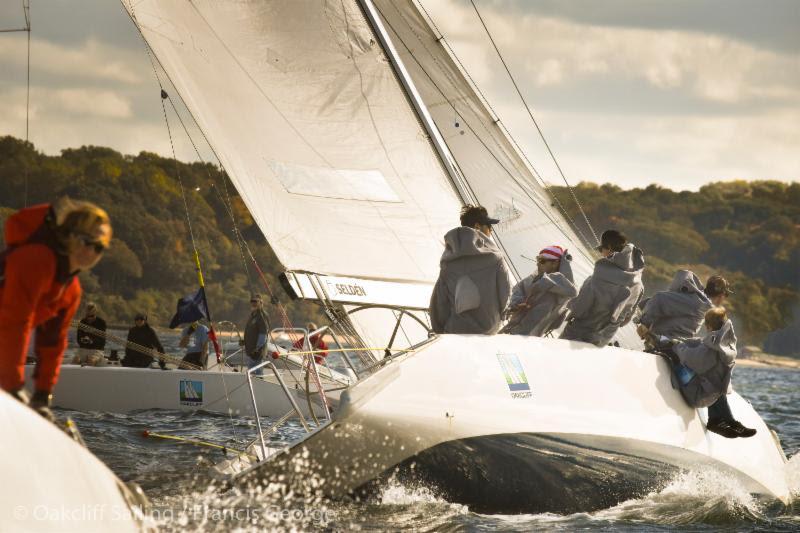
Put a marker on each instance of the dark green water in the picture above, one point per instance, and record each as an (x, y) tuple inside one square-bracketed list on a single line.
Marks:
[(184, 497)]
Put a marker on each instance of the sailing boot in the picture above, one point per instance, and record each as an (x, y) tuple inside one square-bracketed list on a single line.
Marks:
[(742, 431), (722, 427), (730, 429)]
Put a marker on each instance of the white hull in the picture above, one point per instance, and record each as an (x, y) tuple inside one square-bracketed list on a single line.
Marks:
[(119, 390), (51, 483), (591, 427)]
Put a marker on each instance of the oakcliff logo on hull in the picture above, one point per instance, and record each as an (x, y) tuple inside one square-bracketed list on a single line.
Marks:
[(191, 392), (515, 376)]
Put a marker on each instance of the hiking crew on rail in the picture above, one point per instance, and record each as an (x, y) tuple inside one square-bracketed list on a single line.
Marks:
[(472, 291)]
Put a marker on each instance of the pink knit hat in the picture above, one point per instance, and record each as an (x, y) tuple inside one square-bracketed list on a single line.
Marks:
[(552, 252)]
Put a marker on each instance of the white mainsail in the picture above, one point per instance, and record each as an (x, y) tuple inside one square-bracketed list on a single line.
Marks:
[(306, 115)]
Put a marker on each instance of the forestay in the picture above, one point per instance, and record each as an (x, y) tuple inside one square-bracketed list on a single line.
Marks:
[(306, 115)]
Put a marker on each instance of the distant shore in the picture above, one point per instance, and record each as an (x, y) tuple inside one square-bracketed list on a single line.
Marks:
[(753, 357)]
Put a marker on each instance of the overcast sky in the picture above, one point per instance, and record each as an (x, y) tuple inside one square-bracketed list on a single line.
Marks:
[(674, 92)]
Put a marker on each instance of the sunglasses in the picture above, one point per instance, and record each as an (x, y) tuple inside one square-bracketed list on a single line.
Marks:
[(541, 261), (98, 246)]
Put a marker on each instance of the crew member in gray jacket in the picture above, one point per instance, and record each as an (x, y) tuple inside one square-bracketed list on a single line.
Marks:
[(608, 298), (538, 302), (473, 288), (678, 312), (703, 372)]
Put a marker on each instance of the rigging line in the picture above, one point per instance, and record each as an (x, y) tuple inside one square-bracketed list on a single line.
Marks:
[(499, 122), (228, 207), (164, 94), (511, 175), (227, 203), (153, 59), (26, 8), (538, 129), (527, 183)]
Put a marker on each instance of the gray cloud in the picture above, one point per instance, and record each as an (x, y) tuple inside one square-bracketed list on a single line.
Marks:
[(677, 92), (771, 24)]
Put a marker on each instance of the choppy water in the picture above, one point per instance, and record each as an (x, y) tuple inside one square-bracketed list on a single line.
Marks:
[(176, 478)]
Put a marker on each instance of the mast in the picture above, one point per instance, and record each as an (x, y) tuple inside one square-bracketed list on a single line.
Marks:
[(448, 161), (460, 184)]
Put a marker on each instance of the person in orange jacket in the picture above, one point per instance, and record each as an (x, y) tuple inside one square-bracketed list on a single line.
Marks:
[(47, 245)]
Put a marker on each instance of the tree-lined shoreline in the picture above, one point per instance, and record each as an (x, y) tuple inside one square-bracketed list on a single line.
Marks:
[(747, 231)]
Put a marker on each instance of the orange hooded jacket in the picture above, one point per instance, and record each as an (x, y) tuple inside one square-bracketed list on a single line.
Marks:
[(36, 291)]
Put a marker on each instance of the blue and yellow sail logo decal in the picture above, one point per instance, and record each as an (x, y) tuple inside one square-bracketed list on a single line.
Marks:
[(515, 376), (191, 392)]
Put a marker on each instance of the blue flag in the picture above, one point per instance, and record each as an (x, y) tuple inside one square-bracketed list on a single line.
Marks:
[(190, 309)]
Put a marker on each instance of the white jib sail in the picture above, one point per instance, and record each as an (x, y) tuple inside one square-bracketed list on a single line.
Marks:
[(497, 174)]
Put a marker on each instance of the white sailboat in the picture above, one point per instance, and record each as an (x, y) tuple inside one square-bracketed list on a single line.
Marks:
[(52, 483), (222, 388), (334, 119)]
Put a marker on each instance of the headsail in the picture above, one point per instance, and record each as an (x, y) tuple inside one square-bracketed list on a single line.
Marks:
[(497, 174)]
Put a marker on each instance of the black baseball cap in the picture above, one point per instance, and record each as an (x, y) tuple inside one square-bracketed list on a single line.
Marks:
[(140, 316), (613, 240), (489, 221), (476, 214)]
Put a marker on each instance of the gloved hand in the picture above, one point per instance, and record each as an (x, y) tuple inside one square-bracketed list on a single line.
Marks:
[(41, 402)]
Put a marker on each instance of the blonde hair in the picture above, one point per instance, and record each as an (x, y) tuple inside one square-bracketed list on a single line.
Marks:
[(715, 318), (79, 218)]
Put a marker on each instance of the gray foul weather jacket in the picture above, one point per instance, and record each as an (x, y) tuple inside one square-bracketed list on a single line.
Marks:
[(608, 298), (712, 359), (473, 288), (678, 312), (548, 295)]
